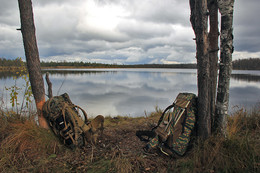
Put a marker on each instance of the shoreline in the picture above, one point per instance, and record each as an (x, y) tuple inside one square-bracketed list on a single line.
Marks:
[(14, 68)]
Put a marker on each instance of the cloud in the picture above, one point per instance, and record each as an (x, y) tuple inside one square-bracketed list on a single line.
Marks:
[(162, 12), (115, 31), (246, 26)]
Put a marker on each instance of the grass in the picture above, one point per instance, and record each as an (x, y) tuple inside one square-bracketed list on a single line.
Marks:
[(27, 148), (239, 151)]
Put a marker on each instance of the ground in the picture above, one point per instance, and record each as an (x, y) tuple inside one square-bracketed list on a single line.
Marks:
[(25, 147), (120, 150)]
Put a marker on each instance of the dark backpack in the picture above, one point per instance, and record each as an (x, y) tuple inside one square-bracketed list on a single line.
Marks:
[(64, 118), (174, 128)]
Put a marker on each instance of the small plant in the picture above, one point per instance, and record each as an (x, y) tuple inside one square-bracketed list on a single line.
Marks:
[(15, 90)]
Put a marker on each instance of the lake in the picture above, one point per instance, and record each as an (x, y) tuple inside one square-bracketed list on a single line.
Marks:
[(136, 92)]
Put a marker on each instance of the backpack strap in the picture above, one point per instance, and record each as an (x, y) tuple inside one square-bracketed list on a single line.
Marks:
[(162, 116), (182, 104), (145, 135), (76, 118)]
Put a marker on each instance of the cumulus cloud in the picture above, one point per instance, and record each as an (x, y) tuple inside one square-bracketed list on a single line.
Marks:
[(123, 32)]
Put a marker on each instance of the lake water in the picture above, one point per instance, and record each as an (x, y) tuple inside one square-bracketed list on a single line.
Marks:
[(135, 92)]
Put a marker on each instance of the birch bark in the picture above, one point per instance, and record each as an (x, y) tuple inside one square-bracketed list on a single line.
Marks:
[(226, 49)]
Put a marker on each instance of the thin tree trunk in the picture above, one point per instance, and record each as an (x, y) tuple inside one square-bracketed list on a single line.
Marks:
[(199, 21), (32, 57), (226, 50), (213, 55), (49, 85)]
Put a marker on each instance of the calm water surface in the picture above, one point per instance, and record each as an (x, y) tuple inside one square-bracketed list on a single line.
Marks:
[(134, 92)]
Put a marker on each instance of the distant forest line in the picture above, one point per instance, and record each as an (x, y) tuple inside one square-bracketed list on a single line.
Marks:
[(246, 64), (241, 64)]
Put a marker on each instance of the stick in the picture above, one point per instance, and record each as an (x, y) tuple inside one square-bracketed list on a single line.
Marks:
[(49, 85)]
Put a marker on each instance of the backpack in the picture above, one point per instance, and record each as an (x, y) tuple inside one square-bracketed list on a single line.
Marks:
[(64, 118), (173, 131)]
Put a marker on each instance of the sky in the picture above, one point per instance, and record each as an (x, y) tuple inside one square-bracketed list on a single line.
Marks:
[(120, 31)]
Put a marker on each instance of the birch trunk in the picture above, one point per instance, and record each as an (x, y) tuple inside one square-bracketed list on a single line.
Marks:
[(32, 57), (225, 69), (199, 21)]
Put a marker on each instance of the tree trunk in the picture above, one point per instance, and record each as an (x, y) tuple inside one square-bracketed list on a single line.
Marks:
[(225, 69), (32, 57), (199, 21), (213, 55)]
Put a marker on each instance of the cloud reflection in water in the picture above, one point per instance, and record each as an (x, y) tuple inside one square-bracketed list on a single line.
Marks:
[(125, 92), (131, 92)]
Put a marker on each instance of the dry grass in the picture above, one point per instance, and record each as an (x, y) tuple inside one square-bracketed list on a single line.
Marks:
[(24, 145), (27, 148), (239, 151)]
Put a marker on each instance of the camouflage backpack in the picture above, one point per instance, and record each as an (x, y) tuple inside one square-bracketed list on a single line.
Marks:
[(172, 133), (64, 118)]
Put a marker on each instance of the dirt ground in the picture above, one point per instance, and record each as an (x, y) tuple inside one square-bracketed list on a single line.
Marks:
[(121, 145)]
